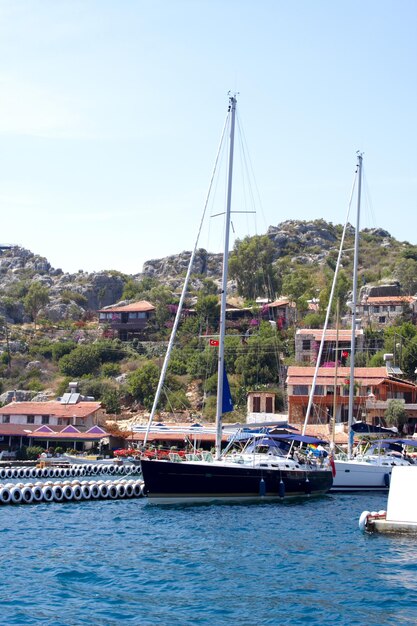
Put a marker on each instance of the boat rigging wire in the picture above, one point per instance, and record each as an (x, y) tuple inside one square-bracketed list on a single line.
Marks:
[(184, 289)]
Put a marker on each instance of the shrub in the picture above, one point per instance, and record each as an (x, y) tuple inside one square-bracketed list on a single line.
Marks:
[(81, 361), (110, 370), (34, 452), (60, 348)]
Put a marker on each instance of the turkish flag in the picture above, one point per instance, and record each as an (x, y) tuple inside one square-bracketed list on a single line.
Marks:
[(214, 342)]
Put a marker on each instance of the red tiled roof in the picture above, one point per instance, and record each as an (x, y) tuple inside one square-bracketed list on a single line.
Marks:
[(366, 375), (81, 409), (298, 375), (134, 307), (388, 299), (330, 333), (278, 303)]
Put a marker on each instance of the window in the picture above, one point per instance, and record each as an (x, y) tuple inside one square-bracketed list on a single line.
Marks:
[(269, 407), (6, 419), (45, 419), (142, 315), (376, 309), (319, 390), (306, 344), (392, 307), (381, 319), (133, 316), (30, 419), (103, 316), (300, 390)]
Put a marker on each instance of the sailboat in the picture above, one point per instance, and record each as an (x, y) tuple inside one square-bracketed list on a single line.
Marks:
[(370, 472), (264, 469)]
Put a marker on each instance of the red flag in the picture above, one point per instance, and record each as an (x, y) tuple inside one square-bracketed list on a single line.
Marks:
[(214, 342), (333, 466)]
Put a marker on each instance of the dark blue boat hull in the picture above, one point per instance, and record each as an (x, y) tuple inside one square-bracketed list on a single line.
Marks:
[(167, 481)]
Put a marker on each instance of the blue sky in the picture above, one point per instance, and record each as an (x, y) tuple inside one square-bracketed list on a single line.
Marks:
[(111, 113)]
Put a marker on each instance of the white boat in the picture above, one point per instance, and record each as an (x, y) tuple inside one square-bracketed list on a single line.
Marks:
[(360, 474), (259, 472), (401, 513)]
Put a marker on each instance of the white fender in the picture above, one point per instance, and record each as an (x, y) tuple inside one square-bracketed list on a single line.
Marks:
[(67, 492), (57, 493), (77, 492), (137, 489), (113, 493), (104, 491), (85, 492), (94, 491), (5, 495), (363, 520), (128, 490), (16, 495), (27, 495), (121, 490), (37, 493), (47, 493)]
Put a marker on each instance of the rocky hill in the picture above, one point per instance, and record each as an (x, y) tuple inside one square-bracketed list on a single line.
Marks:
[(299, 243)]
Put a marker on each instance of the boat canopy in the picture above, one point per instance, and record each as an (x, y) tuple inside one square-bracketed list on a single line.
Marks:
[(363, 427), (386, 443)]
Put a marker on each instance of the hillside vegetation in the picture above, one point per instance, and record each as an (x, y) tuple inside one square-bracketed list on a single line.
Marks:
[(50, 334)]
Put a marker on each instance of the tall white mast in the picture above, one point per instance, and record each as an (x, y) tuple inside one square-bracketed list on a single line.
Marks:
[(354, 303), (220, 367)]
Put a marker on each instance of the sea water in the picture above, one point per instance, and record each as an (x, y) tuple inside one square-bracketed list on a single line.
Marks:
[(130, 562)]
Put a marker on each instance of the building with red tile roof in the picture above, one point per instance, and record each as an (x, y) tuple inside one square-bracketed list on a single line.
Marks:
[(127, 321), (374, 388)]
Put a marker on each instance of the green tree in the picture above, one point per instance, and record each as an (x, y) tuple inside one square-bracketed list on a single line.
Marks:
[(207, 308), (161, 298), (139, 289), (112, 401), (298, 285), (251, 265), (406, 272), (36, 298), (396, 415), (409, 358), (142, 384)]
